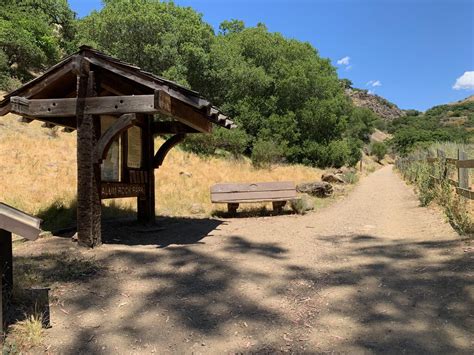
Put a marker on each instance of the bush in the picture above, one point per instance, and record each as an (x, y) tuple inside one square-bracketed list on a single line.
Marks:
[(265, 153), (379, 150), (233, 141)]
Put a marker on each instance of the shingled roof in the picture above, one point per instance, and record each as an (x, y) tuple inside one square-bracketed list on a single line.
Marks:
[(59, 81)]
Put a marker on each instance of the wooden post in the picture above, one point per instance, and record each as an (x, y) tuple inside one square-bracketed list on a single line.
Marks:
[(88, 172), (443, 165), (146, 204), (6, 274), (463, 173)]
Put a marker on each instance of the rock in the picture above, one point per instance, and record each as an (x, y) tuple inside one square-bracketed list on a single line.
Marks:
[(328, 177), (197, 208), (185, 174), (317, 188), (303, 204), (74, 238)]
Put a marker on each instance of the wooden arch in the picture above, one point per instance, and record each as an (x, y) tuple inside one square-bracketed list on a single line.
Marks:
[(165, 148), (123, 123)]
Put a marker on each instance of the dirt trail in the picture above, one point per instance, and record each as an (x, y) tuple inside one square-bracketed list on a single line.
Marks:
[(372, 273)]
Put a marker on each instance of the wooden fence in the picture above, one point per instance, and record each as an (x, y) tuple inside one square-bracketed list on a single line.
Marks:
[(462, 164)]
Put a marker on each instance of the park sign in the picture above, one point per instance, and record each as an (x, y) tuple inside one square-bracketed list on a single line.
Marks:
[(117, 109)]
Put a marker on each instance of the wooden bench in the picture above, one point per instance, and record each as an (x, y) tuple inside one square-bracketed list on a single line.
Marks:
[(279, 193)]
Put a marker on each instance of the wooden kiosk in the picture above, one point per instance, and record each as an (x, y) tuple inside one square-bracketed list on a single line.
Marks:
[(117, 109)]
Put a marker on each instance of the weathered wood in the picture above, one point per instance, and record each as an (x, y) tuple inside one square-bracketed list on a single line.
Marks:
[(465, 192), (260, 186), (468, 163), (24, 119), (48, 125), (171, 127), (251, 196), (66, 107), (256, 192), (146, 203), (121, 190), (160, 102), (442, 159), (6, 274), (463, 173), (170, 106), (88, 186), (165, 148), (123, 123)]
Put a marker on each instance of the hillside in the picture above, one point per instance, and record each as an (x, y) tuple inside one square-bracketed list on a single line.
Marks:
[(452, 122), (379, 105)]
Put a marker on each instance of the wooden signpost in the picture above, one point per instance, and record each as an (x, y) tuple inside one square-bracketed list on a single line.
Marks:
[(24, 225)]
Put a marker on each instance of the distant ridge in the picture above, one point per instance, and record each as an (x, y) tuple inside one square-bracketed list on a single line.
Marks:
[(379, 105)]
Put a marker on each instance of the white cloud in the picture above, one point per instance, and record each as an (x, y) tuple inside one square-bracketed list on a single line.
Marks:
[(465, 81), (344, 61), (349, 67), (374, 83)]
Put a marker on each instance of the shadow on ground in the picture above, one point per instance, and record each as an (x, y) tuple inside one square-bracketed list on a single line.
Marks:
[(404, 297)]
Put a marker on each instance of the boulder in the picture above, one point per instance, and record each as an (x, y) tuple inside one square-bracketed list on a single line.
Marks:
[(317, 188), (302, 204), (328, 177)]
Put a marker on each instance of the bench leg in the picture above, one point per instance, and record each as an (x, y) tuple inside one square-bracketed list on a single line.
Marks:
[(232, 207), (278, 206)]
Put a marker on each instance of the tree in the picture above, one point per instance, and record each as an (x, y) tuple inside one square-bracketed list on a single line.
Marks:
[(33, 35), (379, 150), (160, 37)]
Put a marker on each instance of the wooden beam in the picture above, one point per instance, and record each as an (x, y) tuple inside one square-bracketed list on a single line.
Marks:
[(160, 102), (66, 107), (48, 125), (171, 127), (123, 123), (165, 148), (468, 163), (170, 106)]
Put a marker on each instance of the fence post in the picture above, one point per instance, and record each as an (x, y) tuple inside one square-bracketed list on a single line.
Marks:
[(463, 173), (443, 165)]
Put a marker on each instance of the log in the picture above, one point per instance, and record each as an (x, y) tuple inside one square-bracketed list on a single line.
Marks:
[(317, 188)]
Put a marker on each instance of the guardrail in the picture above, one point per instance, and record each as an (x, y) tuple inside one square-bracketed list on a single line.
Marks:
[(462, 164)]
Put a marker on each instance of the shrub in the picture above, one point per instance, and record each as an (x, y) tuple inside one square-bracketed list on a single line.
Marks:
[(378, 149), (265, 153)]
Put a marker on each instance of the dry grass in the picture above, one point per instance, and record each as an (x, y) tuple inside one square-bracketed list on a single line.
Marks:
[(38, 170), (24, 336)]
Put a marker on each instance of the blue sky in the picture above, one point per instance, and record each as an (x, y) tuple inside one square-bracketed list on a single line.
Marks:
[(410, 51)]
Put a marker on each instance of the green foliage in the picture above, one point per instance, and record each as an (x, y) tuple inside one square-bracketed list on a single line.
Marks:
[(418, 130), (160, 37), (234, 142), (379, 150), (33, 35), (265, 153)]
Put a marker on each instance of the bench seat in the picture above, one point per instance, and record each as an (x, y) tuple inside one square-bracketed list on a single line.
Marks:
[(279, 193)]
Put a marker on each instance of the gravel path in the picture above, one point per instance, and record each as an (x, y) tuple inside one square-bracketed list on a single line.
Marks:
[(372, 273)]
